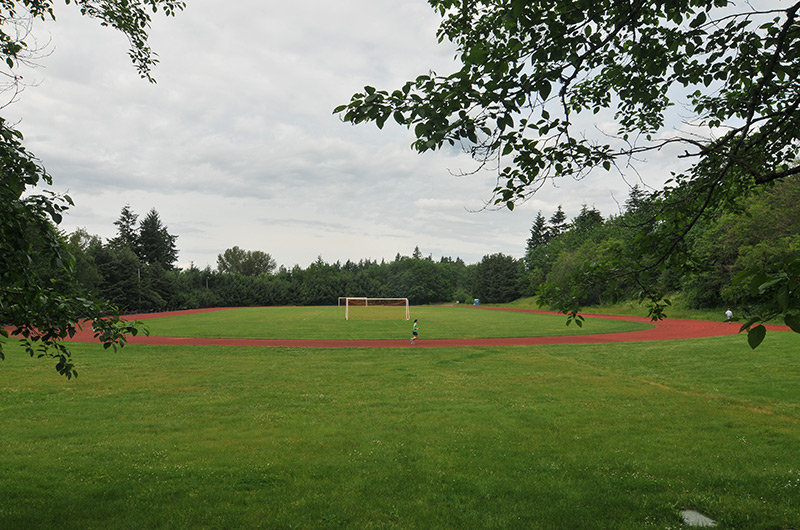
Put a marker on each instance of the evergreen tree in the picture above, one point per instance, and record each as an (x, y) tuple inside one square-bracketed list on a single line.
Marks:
[(540, 232), (496, 279), (558, 223), (636, 197), (127, 235), (587, 220), (155, 243)]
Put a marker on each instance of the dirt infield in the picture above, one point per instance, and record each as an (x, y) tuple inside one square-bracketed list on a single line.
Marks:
[(668, 329)]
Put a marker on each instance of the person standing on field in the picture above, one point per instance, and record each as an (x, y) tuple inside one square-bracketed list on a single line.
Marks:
[(729, 314), (414, 332)]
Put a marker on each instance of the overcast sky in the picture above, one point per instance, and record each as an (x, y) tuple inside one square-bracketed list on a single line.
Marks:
[(236, 144)]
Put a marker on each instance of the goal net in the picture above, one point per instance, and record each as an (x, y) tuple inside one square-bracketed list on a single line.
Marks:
[(363, 308)]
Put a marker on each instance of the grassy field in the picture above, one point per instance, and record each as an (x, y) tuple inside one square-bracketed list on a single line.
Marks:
[(436, 322), (605, 436), (678, 309)]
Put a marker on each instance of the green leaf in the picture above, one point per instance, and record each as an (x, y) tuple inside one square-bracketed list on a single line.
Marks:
[(746, 325), (793, 321), (755, 283), (699, 20), (782, 297), (756, 335), (544, 88)]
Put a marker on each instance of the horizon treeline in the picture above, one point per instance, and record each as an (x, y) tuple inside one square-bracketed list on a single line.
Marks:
[(135, 270)]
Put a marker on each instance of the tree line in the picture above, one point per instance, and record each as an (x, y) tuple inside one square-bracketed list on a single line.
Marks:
[(565, 261), (135, 271)]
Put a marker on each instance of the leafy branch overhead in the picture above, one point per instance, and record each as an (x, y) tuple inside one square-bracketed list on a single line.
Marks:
[(130, 17), (529, 68), (532, 72), (39, 300)]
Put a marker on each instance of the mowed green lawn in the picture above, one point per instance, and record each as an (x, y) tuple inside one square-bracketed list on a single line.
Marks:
[(594, 436), (436, 322)]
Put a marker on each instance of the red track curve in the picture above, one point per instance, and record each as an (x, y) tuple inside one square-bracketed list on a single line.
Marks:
[(668, 329)]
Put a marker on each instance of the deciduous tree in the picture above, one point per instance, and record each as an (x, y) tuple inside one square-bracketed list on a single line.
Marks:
[(245, 262)]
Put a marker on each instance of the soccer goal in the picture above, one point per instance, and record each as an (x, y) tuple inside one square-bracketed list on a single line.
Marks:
[(363, 308)]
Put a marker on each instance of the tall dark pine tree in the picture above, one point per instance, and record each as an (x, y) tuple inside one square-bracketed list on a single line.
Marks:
[(540, 233), (636, 197), (558, 223), (156, 244), (126, 229), (587, 220), (537, 254)]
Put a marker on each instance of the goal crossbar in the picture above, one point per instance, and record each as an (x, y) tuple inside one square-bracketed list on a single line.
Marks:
[(364, 301)]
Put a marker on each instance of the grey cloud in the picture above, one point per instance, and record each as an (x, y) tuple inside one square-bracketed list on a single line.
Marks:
[(237, 140)]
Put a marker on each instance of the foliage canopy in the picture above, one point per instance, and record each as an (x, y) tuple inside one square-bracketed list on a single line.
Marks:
[(245, 262)]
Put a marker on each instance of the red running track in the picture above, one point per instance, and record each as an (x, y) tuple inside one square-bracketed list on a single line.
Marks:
[(668, 329)]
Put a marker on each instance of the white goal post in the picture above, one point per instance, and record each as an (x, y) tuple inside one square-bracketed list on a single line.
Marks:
[(363, 301)]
